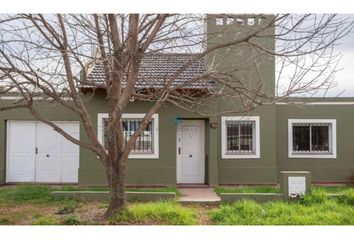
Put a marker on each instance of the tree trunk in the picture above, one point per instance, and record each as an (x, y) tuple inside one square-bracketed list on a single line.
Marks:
[(117, 203)]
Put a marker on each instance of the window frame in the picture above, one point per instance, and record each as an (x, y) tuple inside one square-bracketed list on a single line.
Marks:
[(331, 135), (224, 154), (155, 118)]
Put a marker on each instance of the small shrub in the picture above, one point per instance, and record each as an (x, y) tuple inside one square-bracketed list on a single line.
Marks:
[(45, 220), (4, 221), (67, 206), (317, 196), (72, 220), (347, 197)]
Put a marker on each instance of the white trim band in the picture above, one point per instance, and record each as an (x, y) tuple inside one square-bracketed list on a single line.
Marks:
[(34, 98), (315, 103)]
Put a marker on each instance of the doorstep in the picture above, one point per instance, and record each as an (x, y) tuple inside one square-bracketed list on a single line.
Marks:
[(190, 185), (202, 195)]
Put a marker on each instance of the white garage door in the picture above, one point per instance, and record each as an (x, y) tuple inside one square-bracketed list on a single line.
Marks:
[(37, 153)]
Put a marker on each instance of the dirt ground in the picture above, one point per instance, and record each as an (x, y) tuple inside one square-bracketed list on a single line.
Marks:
[(89, 213)]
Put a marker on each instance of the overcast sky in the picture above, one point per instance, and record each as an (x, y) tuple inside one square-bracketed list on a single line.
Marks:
[(345, 78)]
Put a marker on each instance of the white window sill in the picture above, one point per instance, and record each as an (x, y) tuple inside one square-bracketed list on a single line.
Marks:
[(240, 156), (143, 156), (314, 155)]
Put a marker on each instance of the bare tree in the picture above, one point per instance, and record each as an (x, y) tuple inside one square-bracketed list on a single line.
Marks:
[(49, 58)]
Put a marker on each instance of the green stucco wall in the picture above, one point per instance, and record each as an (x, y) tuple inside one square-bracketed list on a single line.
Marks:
[(254, 170), (161, 171), (238, 61), (322, 170)]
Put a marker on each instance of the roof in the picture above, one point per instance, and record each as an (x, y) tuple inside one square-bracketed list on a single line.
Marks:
[(155, 70)]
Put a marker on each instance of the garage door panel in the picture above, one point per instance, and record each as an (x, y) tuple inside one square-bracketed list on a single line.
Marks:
[(21, 169), (70, 153), (70, 164), (22, 135), (73, 178), (72, 130), (21, 164), (47, 162), (47, 169), (70, 168), (47, 139), (57, 159), (69, 147), (21, 152)]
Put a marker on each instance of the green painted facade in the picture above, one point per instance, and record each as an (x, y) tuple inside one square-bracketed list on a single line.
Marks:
[(263, 170), (257, 170), (322, 170), (273, 131), (161, 171)]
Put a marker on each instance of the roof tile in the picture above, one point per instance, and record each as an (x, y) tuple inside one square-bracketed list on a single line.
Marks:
[(157, 68)]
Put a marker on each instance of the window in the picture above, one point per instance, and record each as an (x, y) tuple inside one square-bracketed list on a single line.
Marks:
[(261, 20), (240, 21), (251, 21), (220, 21), (229, 20), (240, 137), (312, 138), (146, 146)]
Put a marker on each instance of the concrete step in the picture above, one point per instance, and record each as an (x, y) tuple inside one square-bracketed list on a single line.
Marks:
[(183, 185), (198, 195)]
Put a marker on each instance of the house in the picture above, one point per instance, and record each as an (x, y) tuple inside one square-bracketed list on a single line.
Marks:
[(180, 147)]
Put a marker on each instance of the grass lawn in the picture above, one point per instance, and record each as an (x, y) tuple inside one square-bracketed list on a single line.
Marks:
[(274, 189), (166, 213), (314, 209), (33, 204), (157, 189), (247, 189)]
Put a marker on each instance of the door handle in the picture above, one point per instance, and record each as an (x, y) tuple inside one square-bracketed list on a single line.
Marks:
[(179, 151), (36, 150), (47, 155), (190, 155)]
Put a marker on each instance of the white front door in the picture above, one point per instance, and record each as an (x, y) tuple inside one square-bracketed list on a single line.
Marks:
[(190, 152), (37, 153)]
